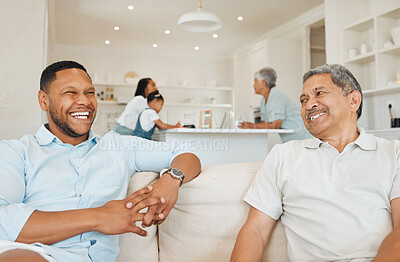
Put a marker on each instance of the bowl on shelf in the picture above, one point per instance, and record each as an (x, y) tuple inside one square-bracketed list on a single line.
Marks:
[(396, 35)]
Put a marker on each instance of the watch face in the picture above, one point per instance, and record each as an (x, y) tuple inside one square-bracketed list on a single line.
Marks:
[(177, 172)]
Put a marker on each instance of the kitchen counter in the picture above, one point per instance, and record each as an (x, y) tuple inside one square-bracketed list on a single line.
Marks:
[(222, 146), (227, 131)]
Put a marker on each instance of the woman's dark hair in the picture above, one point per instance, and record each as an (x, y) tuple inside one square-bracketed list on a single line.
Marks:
[(49, 74), (154, 96), (141, 87)]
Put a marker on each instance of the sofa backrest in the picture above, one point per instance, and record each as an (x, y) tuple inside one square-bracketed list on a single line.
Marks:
[(205, 220)]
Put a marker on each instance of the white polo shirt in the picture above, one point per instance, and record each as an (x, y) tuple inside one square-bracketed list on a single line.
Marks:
[(131, 113), (333, 206)]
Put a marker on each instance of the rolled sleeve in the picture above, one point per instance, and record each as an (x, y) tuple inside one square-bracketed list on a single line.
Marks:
[(264, 193), (13, 212), (12, 219), (150, 155)]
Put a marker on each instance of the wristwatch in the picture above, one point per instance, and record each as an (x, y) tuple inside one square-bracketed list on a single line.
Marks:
[(174, 172)]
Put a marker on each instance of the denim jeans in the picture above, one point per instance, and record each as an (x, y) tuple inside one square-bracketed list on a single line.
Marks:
[(122, 130)]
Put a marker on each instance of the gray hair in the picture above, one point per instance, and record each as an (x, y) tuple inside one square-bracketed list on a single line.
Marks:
[(341, 77), (268, 74)]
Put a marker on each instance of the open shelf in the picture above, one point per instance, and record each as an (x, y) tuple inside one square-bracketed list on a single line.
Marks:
[(218, 88), (379, 91), (393, 50), (361, 25), (215, 88), (104, 102), (198, 105), (110, 84), (362, 59)]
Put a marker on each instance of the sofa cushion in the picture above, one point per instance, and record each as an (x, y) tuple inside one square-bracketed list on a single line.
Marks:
[(209, 214), (134, 248)]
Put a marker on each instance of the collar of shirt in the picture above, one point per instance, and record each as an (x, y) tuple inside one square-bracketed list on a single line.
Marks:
[(45, 137), (364, 141)]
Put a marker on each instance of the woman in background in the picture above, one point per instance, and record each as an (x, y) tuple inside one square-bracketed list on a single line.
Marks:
[(126, 123), (148, 119)]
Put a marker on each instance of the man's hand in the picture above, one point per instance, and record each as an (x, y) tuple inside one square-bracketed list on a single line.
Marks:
[(166, 187), (120, 216), (247, 125)]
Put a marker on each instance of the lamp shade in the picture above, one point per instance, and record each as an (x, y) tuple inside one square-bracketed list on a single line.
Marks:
[(199, 21)]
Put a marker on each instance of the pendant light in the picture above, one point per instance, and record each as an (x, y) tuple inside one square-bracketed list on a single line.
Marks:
[(199, 20)]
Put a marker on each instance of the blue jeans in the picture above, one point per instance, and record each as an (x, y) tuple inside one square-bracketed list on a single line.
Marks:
[(123, 130)]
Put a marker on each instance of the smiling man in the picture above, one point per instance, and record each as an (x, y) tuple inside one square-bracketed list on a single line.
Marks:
[(62, 191), (337, 194)]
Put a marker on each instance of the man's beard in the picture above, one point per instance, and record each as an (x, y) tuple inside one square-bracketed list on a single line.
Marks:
[(63, 125)]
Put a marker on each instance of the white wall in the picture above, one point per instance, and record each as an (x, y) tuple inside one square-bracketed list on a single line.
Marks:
[(23, 36), (194, 70)]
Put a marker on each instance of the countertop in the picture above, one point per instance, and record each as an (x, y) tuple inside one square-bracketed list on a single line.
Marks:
[(226, 131)]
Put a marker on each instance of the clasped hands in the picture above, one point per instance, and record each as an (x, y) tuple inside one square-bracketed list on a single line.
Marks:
[(120, 216)]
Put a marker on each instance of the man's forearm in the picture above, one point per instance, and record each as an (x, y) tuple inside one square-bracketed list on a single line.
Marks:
[(113, 218), (52, 227), (271, 125), (249, 245), (189, 164), (390, 248)]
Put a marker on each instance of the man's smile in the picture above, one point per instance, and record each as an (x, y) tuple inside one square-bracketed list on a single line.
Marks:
[(80, 115), (314, 114)]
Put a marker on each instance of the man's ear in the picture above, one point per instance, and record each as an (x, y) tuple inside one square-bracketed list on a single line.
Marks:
[(43, 100), (355, 100)]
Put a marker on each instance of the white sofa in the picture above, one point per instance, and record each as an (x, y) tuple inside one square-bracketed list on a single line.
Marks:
[(205, 221)]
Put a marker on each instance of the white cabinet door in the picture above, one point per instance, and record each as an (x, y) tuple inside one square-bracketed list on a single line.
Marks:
[(242, 83), (258, 60)]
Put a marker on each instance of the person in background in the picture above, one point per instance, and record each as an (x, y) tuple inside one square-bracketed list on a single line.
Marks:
[(148, 119), (126, 123), (337, 193), (277, 109)]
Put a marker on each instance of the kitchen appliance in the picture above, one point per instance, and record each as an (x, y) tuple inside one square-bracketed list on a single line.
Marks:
[(255, 114), (395, 122)]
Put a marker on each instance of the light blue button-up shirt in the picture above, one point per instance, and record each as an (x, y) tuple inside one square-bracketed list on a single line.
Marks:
[(42, 173), (280, 107)]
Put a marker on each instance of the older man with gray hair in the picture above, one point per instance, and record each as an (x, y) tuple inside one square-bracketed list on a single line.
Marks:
[(277, 109), (338, 193)]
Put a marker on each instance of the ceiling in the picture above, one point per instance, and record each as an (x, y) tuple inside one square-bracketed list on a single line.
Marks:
[(89, 23)]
